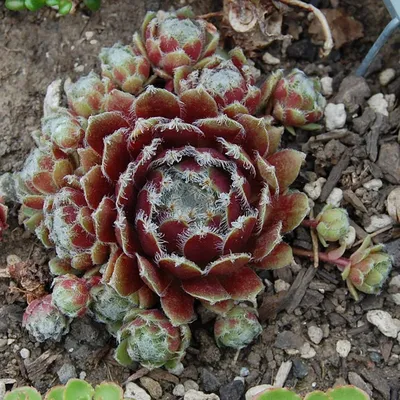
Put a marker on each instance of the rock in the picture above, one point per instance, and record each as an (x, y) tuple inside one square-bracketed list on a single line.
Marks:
[(391, 100), (66, 372), (300, 368), (343, 348), (307, 351), (209, 381), (268, 58), (302, 50), (250, 394), (393, 248), (379, 104), (393, 204), (232, 391), (7, 188), (283, 373), (395, 282), (190, 385), (335, 116), (315, 334), (288, 340), (373, 184), (196, 395), (152, 386), (389, 326), (335, 198), (2, 390), (25, 353), (386, 76), (281, 286), (378, 222), (326, 86), (356, 380), (313, 189), (244, 371), (389, 161), (133, 391), (352, 92), (362, 124), (179, 390), (396, 298)]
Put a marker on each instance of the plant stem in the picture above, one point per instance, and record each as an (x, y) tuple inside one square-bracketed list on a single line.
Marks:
[(310, 223), (341, 262)]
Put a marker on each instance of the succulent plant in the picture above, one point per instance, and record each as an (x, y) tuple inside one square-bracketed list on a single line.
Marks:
[(74, 389), (63, 6), (237, 328), (3, 217), (368, 269), (44, 320), (340, 393), (294, 100), (148, 337), (174, 39)]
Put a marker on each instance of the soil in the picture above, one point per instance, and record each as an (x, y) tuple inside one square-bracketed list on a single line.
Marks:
[(37, 48)]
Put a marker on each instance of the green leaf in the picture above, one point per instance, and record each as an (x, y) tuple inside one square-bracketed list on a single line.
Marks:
[(278, 394), (52, 3), (23, 393), (346, 393), (34, 5), (64, 7), (317, 395), (108, 391), (93, 5), (15, 5), (77, 389), (55, 393)]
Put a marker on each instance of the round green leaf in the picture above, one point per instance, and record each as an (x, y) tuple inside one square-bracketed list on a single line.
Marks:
[(34, 5), (346, 393), (278, 394), (77, 389), (109, 391), (64, 7), (23, 393), (55, 393), (93, 5), (317, 395), (15, 5)]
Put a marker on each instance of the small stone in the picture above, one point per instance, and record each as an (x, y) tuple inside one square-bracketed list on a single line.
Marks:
[(3, 343), (82, 375), (2, 390), (378, 222), (393, 204), (389, 161), (356, 380), (335, 116), (133, 391), (391, 100), (179, 390), (190, 385), (283, 373), (326, 86), (152, 387), (288, 340), (244, 372), (379, 104), (209, 381), (232, 391), (386, 76), (307, 351), (66, 372), (343, 348), (389, 326), (396, 298), (352, 92), (251, 393), (89, 35), (395, 281), (195, 395), (313, 189), (281, 286), (10, 341), (268, 58), (335, 198), (25, 353), (300, 369), (373, 184), (315, 334)]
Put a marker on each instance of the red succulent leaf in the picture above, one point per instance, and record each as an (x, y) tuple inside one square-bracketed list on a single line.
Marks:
[(208, 288), (267, 241), (104, 218), (279, 257), (95, 186), (228, 264), (180, 267)]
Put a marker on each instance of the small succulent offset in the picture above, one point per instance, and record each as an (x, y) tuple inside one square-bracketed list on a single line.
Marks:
[(156, 197), (63, 6), (73, 390), (340, 393)]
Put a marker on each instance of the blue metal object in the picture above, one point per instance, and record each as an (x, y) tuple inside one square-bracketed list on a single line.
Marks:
[(393, 7)]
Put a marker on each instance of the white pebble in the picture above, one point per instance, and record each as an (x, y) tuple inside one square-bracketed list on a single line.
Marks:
[(326, 86), (395, 281), (268, 58), (343, 348), (315, 334), (195, 395), (280, 285), (379, 104), (179, 390), (378, 222), (251, 393), (335, 197), (89, 35), (135, 392), (396, 298), (373, 184), (335, 116), (283, 373), (25, 353), (190, 385), (244, 372), (82, 375), (313, 189), (389, 326), (307, 351), (386, 76), (391, 100)]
